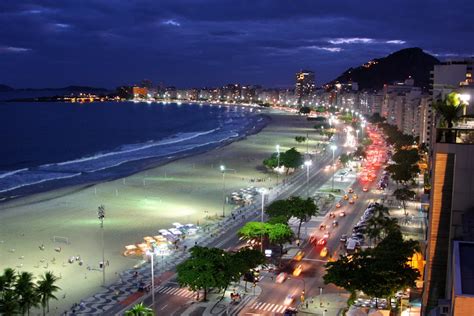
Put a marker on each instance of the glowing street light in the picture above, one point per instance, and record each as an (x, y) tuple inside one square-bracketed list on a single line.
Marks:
[(262, 192), (222, 167), (465, 98), (151, 254), (308, 164), (333, 148), (101, 216)]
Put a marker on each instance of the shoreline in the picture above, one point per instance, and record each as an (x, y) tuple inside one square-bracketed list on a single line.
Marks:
[(256, 123), (187, 190)]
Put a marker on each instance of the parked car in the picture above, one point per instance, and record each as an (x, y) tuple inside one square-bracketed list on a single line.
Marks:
[(322, 227), (335, 223), (342, 214), (343, 238)]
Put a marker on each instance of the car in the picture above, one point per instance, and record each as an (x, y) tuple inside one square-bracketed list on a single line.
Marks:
[(299, 255), (297, 271), (334, 223), (365, 189), (343, 238), (326, 235), (338, 205), (351, 190), (290, 311), (346, 197), (322, 242), (289, 300), (322, 227), (342, 214), (281, 277), (332, 215), (324, 252), (355, 196), (351, 201)]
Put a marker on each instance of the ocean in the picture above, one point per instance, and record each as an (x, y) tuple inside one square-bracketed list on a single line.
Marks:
[(48, 145)]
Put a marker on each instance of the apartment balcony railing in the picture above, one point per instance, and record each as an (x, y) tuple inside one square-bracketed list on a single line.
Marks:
[(455, 135)]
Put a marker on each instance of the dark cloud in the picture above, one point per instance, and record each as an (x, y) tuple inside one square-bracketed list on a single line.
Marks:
[(212, 42)]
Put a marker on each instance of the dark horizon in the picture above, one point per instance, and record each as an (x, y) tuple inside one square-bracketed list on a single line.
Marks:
[(212, 43)]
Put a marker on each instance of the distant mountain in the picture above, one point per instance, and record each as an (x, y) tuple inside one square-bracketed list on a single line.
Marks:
[(69, 89), (4, 88), (397, 66)]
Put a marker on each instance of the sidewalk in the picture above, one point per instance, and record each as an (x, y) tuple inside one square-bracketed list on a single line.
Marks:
[(326, 304)]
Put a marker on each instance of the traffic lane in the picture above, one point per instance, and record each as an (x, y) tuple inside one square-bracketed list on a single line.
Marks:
[(168, 304)]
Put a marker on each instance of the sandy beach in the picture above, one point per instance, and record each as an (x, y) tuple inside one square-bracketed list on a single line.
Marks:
[(186, 191)]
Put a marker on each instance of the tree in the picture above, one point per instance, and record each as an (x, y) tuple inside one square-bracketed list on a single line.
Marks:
[(280, 234), (206, 268), (290, 159), (378, 272), (279, 208), (406, 156), (253, 230), (360, 152), (305, 110), (404, 195), (449, 108), (300, 139), (25, 289), (139, 310), (302, 210), (402, 173), (9, 303), (45, 288), (344, 159), (294, 206)]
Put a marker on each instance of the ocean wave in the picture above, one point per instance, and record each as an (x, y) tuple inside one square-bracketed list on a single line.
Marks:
[(136, 147), (39, 181), (10, 173)]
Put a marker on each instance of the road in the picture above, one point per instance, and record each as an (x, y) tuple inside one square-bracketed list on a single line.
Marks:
[(171, 300)]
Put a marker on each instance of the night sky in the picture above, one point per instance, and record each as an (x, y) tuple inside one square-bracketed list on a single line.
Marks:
[(200, 43)]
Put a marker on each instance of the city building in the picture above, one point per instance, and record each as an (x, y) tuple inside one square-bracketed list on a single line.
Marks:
[(140, 92), (451, 215), (305, 84)]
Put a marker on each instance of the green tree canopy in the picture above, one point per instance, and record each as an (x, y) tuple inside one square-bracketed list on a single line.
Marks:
[(139, 310), (300, 139), (290, 159), (305, 110), (253, 230), (279, 234), (46, 287), (404, 195), (344, 159), (449, 108)]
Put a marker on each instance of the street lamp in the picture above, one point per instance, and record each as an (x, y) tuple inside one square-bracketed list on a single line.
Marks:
[(357, 132), (101, 216), (465, 101), (262, 191), (307, 163), (151, 254), (222, 167), (333, 148)]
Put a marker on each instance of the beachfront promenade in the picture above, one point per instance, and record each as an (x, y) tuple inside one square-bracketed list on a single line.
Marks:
[(116, 297)]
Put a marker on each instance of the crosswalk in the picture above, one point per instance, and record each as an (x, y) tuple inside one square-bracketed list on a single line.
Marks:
[(168, 290), (268, 307)]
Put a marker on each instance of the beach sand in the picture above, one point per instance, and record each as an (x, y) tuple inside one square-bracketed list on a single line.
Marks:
[(185, 191)]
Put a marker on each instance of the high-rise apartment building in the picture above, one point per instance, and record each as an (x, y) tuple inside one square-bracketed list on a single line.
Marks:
[(305, 84)]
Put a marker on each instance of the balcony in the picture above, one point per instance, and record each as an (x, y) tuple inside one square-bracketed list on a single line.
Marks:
[(455, 135)]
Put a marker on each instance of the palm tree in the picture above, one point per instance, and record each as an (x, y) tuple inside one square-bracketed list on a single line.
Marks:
[(9, 303), (139, 310), (449, 108), (25, 288), (379, 224), (46, 288), (7, 280)]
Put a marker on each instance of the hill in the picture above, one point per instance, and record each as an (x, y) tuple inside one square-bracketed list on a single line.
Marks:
[(4, 88), (397, 66)]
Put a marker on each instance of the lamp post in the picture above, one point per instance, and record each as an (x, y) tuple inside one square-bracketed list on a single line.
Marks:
[(362, 129), (278, 160), (333, 148), (357, 133), (262, 191), (101, 216), (223, 189), (307, 163), (152, 255), (465, 101)]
